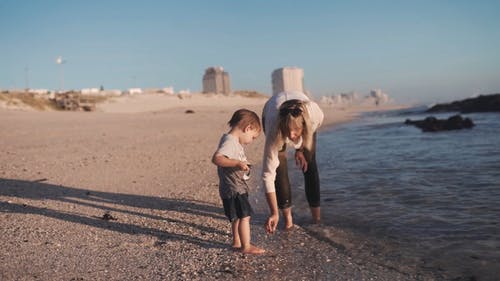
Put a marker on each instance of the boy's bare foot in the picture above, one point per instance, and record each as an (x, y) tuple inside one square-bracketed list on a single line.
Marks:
[(253, 250), (290, 228), (235, 248)]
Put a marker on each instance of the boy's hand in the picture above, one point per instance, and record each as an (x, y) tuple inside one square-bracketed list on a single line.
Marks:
[(243, 166)]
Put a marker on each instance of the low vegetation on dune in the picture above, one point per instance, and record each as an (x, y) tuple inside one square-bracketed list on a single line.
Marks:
[(75, 101), (27, 100), (250, 94), (59, 102)]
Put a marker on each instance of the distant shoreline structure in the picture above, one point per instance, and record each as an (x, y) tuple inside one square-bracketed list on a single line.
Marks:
[(375, 97)]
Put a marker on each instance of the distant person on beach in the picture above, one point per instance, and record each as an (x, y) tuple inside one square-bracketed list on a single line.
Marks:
[(290, 118), (234, 170)]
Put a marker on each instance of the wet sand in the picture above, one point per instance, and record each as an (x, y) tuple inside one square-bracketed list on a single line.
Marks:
[(129, 193)]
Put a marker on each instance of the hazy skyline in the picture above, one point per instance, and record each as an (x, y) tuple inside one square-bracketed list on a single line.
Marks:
[(416, 51)]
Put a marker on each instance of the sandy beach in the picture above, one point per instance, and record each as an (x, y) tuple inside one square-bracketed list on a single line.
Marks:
[(128, 192)]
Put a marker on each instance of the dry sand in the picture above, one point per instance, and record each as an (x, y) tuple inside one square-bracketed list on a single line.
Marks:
[(145, 164)]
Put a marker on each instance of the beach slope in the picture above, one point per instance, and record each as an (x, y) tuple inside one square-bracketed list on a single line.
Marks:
[(129, 193)]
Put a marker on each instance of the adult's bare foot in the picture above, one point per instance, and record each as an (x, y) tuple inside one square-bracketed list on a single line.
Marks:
[(316, 215)]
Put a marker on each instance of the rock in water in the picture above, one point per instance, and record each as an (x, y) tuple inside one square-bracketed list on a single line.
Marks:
[(432, 124)]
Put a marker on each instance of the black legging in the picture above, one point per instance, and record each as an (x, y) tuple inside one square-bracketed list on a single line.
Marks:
[(311, 179)]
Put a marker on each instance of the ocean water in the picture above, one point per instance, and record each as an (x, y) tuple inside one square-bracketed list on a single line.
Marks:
[(422, 201)]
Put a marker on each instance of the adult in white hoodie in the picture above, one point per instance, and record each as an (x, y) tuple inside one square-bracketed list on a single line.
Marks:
[(290, 118)]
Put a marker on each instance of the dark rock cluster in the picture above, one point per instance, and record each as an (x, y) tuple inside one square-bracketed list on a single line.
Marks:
[(432, 124), (486, 103)]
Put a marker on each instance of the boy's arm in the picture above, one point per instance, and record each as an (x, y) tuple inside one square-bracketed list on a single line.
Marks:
[(224, 162)]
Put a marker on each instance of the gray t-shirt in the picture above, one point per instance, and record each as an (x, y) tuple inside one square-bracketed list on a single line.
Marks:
[(231, 179)]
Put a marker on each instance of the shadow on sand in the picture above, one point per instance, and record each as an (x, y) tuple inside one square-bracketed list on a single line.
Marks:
[(118, 203)]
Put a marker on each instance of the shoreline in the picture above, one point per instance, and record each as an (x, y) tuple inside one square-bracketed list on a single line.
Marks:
[(396, 243), (62, 172), (352, 242)]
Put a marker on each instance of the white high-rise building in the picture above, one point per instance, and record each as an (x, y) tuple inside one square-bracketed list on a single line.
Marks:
[(288, 79), (216, 80)]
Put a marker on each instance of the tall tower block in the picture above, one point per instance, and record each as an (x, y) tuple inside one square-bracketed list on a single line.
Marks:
[(216, 80), (288, 79)]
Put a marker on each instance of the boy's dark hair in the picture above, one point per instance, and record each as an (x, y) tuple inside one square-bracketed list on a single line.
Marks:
[(243, 118)]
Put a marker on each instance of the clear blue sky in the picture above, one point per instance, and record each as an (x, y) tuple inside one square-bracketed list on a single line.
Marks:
[(418, 51)]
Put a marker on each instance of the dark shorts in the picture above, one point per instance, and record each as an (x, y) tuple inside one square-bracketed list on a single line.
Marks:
[(237, 207)]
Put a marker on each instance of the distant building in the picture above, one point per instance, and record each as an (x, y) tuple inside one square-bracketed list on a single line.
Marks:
[(168, 90), (110, 92), (288, 79), (39, 91), (375, 97), (133, 91), (216, 80), (90, 91)]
